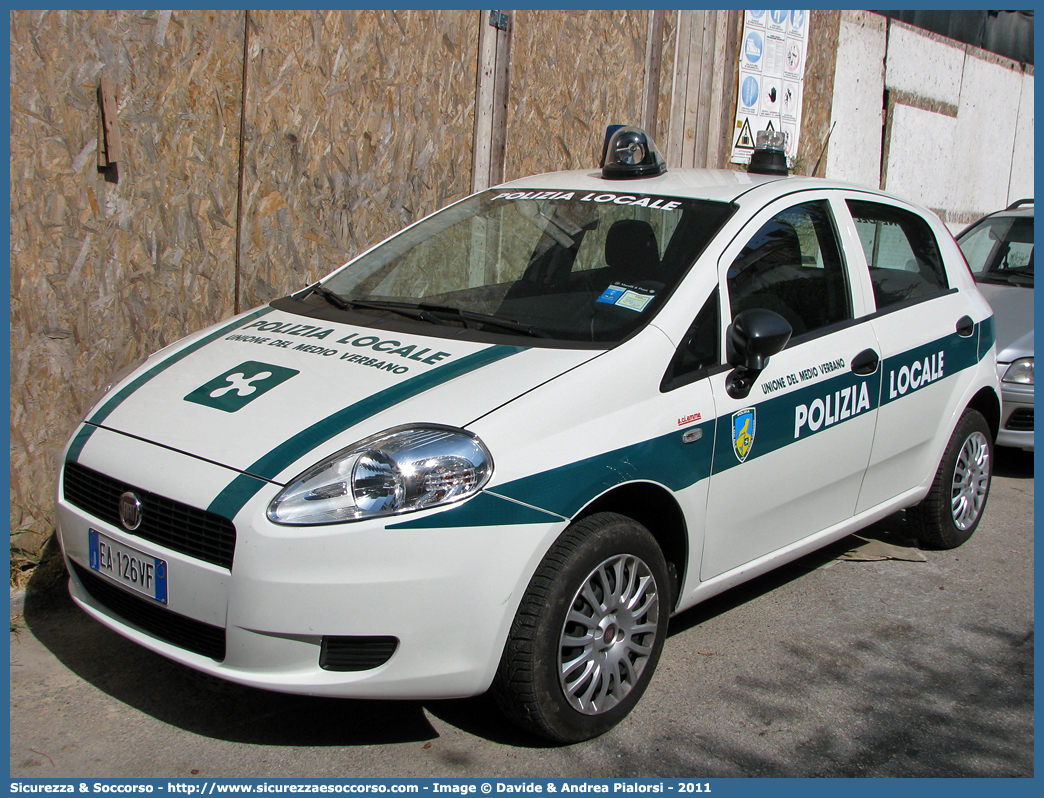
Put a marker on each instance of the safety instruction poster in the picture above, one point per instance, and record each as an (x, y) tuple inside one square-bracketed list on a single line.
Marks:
[(771, 79)]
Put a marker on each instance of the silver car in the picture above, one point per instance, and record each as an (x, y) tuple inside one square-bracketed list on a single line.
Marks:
[(999, 250)]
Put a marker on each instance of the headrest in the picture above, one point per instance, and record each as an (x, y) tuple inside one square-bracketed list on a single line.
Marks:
[(631, 244)]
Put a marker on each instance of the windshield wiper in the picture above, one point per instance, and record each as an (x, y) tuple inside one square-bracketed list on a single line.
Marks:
[(334, 299), (1021, 276), (486, 318), (403, 309), (433, 314), (406, 309)]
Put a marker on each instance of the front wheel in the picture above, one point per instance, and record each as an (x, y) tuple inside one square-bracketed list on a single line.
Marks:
[(951, 511), (588, 633)]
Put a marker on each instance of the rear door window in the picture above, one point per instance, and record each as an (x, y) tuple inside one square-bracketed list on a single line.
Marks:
[(901, 251)]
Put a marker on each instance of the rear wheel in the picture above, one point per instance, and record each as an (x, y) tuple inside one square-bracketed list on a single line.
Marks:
[(953, 507), (588, 633)]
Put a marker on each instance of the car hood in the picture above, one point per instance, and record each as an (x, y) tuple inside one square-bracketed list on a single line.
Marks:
[(1013, 319), (273, 382)]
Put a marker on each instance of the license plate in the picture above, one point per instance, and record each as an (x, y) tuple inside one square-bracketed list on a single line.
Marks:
[(128, 566)]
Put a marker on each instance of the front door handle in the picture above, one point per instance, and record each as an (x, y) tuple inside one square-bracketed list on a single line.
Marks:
[(865, 363)]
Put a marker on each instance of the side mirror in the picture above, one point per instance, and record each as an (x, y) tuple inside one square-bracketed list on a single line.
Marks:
[(752, 338)]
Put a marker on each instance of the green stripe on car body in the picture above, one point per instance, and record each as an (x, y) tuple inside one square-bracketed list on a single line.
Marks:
[(987, 336), (668, 461), (231, 500), (915, 368), (79, 440), (106, 407), (485, 509)]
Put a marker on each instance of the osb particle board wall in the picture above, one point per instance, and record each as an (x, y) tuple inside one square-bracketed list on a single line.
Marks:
[(819, 88), (356, 123), (102, 273), (572, 73)]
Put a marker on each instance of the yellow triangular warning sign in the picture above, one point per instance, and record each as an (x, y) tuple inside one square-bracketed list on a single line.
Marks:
[(746, 138)]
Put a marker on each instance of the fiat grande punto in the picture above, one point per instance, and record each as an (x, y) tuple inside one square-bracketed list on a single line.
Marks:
[(500, 449)]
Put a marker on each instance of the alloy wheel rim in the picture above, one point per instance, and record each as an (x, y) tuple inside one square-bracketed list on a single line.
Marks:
[(971, 481), (608, 635)]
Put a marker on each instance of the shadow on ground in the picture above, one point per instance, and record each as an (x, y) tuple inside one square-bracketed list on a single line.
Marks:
[(929, 703), (212, 707), (1012, 463)]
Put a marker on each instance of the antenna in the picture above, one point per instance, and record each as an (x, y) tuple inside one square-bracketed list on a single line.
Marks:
[(822, 152)]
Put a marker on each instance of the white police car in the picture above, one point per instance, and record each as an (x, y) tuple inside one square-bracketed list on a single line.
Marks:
[(499, 449)]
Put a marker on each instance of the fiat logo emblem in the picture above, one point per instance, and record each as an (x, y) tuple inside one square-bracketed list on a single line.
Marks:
[(130, 511)]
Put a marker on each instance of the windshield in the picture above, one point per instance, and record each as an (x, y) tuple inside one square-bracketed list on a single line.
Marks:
[(563, 265), (1000, 250)]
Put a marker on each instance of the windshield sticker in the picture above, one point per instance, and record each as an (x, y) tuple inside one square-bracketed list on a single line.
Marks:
[(625, 297), (635, 200), (536, 195)]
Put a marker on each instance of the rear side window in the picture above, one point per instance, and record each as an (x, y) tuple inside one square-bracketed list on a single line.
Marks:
[(901, 251)]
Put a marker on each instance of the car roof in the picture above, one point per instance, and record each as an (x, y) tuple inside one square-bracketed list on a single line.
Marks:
[(722, 185), (1020, 209)]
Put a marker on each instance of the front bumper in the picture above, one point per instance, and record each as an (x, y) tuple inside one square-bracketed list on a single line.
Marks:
[(446, 595), (1016, 427)]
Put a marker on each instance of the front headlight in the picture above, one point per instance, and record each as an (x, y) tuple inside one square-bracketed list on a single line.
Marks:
[(402, 469), (1020, 371)]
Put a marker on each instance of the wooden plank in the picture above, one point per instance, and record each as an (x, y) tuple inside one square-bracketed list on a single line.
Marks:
[(679, 88), (485, 79), (723, 95), (708, 73), (501, 92), (572, 73), (110, 121), (651, 83)]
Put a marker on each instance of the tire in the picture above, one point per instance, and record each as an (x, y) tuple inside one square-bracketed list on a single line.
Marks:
[(588, 633), (951, 511)]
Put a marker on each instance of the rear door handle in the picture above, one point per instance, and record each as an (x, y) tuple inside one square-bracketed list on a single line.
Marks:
[(965, 326), (865, 363)]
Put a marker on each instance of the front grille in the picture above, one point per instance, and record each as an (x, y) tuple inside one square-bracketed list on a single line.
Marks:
[(169, 523), (191, 635), (355, 653), (1021, 420)]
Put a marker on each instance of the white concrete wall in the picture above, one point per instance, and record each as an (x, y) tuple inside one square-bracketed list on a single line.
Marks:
[(924, 64), (959, 127), (856, 116), (1022, 161)]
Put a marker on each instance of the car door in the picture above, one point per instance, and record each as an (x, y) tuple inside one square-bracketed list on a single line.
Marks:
[(925, 338), (789, 457)]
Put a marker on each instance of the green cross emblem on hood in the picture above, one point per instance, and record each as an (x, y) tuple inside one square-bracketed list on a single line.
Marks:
[(241, 385)]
